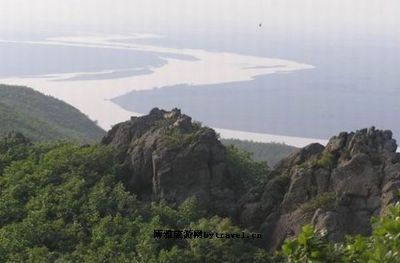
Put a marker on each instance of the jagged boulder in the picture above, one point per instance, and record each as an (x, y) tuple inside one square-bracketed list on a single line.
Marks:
[(338, 188), (169, 157)]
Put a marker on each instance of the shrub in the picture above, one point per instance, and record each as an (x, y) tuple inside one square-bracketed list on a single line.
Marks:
[(324, 201), (242, 166)]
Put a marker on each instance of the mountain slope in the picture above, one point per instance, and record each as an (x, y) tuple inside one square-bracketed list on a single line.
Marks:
[(42, 117)]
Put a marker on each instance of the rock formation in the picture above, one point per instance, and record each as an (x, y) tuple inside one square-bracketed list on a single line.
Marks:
[(167, 156), (337, 188)]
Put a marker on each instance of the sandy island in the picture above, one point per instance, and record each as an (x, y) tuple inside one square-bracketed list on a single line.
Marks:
[(92, 97)]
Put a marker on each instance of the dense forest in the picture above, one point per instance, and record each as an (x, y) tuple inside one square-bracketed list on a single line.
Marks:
[(43, 117), (61, 202)]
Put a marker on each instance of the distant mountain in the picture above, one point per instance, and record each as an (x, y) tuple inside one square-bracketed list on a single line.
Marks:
[(42, 117), (270, 152)]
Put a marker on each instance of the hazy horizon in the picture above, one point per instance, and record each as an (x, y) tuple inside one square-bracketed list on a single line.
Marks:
[(319, 17)]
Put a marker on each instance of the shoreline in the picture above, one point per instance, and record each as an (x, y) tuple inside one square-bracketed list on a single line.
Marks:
[(268, 138), (93, 97)]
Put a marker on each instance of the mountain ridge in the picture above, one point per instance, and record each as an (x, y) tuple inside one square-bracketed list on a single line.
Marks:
[(42, 117)]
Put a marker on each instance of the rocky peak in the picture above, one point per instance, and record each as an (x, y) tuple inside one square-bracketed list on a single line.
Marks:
[(169, 157), (309, 152), (338, 187), (122, 133), (366, 141)]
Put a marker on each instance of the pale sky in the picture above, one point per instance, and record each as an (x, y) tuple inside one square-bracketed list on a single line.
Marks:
[(376, 16)]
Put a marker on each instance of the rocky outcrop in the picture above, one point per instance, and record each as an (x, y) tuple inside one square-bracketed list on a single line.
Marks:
[(167, 156), (337, 188)]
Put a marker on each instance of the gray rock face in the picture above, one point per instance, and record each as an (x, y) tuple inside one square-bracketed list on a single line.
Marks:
[(338, 188), (169, 157)]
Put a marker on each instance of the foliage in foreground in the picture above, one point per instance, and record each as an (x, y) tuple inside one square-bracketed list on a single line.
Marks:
[(66, 203), (383, 246)]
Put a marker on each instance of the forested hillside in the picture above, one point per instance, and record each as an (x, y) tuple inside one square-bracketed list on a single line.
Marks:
[(269, 152), (41, 117)]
